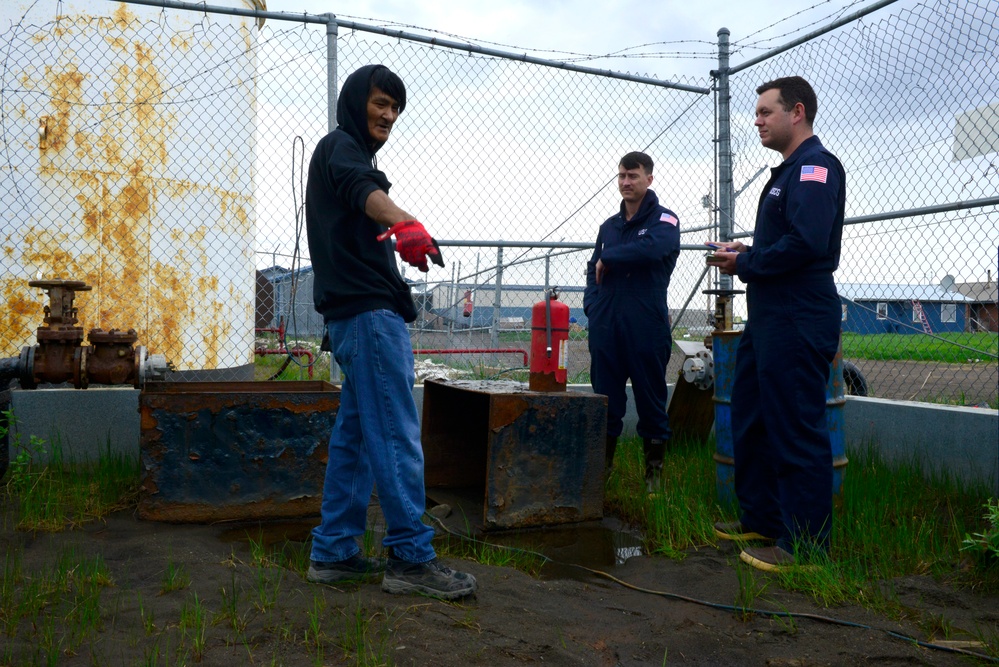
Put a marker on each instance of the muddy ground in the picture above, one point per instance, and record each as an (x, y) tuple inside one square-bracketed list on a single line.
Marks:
[(655, 612)]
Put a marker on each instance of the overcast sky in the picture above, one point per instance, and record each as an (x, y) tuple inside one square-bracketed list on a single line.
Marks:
[(678, 39), (664, 39)]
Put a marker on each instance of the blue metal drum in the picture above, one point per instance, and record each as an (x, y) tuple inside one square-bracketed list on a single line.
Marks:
[(723, 347)]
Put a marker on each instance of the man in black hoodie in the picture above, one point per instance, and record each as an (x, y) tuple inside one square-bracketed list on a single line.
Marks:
[(366, 305), (625, 302)]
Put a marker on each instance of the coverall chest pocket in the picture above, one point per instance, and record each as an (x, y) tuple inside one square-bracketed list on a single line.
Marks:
[(770, 223)]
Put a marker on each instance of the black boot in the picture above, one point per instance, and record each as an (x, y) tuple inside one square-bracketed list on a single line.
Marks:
[(654, 449), (609, 454)]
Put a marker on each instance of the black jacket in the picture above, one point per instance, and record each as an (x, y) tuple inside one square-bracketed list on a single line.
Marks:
[(354, 272)]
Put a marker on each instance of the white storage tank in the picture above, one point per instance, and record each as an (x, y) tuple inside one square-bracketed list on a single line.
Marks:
[(127, 161)]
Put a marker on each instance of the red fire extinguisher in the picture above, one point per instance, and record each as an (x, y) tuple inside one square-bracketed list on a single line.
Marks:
[(549, 339)]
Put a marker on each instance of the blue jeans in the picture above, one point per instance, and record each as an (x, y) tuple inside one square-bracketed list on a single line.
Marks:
[(376, 440)]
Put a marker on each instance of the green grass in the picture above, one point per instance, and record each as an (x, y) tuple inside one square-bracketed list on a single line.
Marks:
[(467, 547), (60, 604), (950, 348), (274, 367), (891, 521), (51, 495), (681, 514), (916, 524), (175, 578), (365, 639)]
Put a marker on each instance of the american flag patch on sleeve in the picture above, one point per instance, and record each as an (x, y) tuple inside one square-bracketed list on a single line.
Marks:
[(666, 217), (810, 173)]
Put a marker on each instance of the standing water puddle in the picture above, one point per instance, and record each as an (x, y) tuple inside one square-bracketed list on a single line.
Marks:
[(597, 545), (594, 545)]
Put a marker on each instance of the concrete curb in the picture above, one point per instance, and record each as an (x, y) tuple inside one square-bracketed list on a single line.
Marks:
[(961, 441)]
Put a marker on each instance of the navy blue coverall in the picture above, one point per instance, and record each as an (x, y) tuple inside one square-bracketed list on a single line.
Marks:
[(782, 451), (628, 316)]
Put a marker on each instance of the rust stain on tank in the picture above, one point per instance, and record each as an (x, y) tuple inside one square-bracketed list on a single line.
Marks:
[(213, 336), (114, 232), (122, 16), (171, 294), (20, 313), (110, 148), (65, 89), (48, 249), (116, 42), (181, 42), (153, 125)]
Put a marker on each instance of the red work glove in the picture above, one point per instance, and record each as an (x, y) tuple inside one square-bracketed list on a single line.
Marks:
[(414, 244)]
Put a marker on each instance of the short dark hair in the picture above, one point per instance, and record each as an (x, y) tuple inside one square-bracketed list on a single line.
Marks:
[(794, 89), (389, 83), (635, 159)]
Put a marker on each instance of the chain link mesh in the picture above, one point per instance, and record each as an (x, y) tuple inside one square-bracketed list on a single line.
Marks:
[(171, 162), (908, 102)]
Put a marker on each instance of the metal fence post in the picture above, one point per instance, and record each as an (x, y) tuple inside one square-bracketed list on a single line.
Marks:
[(726, 200), (497, 300), (471, 321), (332, 30)]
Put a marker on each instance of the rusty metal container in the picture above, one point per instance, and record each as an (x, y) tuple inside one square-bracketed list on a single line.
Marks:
[(215, 451), (536, 457)]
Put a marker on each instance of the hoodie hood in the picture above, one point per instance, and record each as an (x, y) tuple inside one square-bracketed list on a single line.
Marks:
[(352, 107)]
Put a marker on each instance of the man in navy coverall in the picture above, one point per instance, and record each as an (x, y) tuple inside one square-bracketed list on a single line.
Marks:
[(626, 282), (783, 456)]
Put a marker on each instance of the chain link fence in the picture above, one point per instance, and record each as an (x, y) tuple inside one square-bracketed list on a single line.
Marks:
[(160, 156), (909, 101)]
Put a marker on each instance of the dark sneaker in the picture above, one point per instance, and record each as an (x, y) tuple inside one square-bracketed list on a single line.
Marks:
[(733, 530), (772, 559), (357, 568), (431, 578)]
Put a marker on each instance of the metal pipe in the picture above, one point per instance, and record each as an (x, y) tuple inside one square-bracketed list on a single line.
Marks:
[(911, 212), (231, 11), (515, 244), (10, 369), (432, 41), (459, 46), (925, 210), (688, 230)]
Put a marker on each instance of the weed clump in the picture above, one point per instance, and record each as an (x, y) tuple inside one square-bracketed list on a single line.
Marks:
[(984, 546)]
